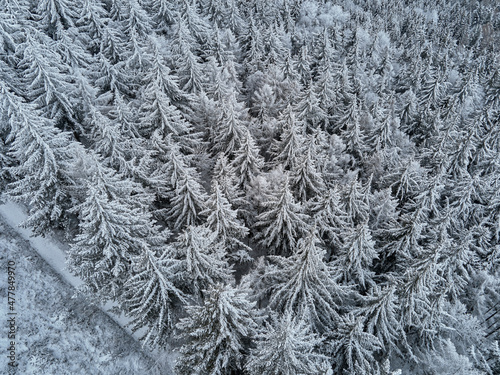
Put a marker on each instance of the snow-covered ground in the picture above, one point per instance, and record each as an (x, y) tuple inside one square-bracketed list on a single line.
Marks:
[(61, 332)]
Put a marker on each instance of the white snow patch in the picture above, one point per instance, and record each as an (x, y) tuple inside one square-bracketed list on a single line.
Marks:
[(53, 253)]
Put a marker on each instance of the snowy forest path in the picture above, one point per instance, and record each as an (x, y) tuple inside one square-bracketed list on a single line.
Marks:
[(53, 252)]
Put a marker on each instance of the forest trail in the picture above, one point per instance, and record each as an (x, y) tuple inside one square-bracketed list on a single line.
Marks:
[(53, 252)]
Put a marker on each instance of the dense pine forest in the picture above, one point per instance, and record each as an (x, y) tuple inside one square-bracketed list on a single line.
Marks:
[(277, 187)]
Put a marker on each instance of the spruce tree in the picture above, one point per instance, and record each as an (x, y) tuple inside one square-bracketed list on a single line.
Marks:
[(381, 313), (247, 162), (56, 15), (111, 233), (229, 133), (91, 21), (203, 259), (354, 348), (357, 255), (186, 63), (330, 218), (304, 285), (286, 150), (223, 220), (281, 222), (357, 202), (152, 295), (286, 346), (46, 78), (159, 113), (225, 175), (306, 178), (187, 200), (216, 333), (43, 158), (308, 108)]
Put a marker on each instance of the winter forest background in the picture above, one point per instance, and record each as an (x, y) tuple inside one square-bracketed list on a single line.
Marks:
[(278, 187)]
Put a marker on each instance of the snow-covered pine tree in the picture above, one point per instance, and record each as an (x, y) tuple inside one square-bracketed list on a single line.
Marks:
[(354, 348), (459, 263), (137, 57), (216, 334), (307, 180), (354, 133), (290, 75), (303, 65), (203, 259), (111, 233), (492, 89), (56, 15), (274, 37), (357, 203), (152, 296), (304, 285), (215, 11), (111, 77), (108, 141), (136, 19), (264, 103), (217, 85), (325, 53), (357, 255), (325, 87), (408, 111), (225, 175), (420, 304), (176, 181), (231, 66), (407, 179), (381, 314), (445, 359), (432, 90), (187, 200), (162, 14), (406, 235), (286, 150), (234, 21), (159, 73), (383, 219), (71, 46), (226, 15), (308, 108), (330, 218), (123, 114), (229, 133), (346, 97), (112, 44), (253, 48), (385, 126), (187, 64), (90, 166), (223, 220), (158, 112), (194, 21), (10, 28), (281, 222), (247, 162), (45, 78), (173, 163), (286, 346), (43, 158), (91, 22)]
